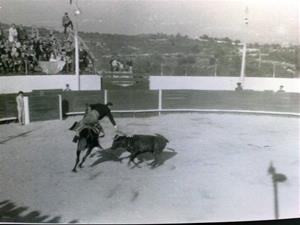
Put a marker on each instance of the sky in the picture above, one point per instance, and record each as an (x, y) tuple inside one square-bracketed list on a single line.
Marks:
[(269, 20)]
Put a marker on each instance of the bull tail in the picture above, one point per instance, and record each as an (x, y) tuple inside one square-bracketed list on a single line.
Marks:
[(159, 135)]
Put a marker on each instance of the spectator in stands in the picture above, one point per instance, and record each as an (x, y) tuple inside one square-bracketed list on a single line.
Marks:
[(83, 59), (53, 57), (281, 90), (66, 22), (1, 34), (22, 34), (4, 61), (20, 107), (12, 33), (111, 64), (51, 35), (67, 88), (35, 34), (20, 52), (239, 87), (129, 64)]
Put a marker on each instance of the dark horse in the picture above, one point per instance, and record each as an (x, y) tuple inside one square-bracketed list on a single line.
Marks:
[(88, 139)]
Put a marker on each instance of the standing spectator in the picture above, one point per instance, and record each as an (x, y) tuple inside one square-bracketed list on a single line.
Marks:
[(67, 88), (281, 90), (239, 87), (20, 107), (66, 22), (129, 64), (12, 33), (35, 34), (70, 52)]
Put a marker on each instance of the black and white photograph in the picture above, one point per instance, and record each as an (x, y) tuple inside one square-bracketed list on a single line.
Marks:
[(149, 111)]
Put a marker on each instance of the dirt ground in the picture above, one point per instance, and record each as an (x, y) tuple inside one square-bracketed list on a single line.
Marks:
[(219, 172)]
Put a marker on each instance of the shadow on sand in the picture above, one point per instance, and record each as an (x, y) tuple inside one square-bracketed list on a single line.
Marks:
[(160, 160), (107, 155), (114, 155), (24, 134), (10, 212)]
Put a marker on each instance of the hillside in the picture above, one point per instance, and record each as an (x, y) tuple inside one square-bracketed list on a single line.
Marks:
[(181, 55)]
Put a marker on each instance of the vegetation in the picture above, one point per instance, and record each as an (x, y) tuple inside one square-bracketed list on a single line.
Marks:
[(180, 55)]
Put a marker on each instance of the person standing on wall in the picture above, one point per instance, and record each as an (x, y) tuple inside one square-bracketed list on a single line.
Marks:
[(67, 88), (67, 22), (20, 107)]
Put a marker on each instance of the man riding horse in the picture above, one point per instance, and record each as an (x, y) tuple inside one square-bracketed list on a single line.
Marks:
[(93, 114)]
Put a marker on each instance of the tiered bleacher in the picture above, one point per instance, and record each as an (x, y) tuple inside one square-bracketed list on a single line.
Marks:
[(27, 51)]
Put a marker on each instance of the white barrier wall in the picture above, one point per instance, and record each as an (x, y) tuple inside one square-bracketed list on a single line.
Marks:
[(222, 83), (13, 84)]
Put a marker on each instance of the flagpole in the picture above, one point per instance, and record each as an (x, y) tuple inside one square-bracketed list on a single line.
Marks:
[(77, 54), (76, 42), (243, 66)]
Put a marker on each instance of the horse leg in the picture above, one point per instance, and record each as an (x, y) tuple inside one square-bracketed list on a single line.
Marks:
[(77, 160), (86, 155)]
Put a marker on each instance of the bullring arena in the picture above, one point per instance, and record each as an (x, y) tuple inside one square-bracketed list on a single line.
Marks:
[(221, 160), (229, 106)]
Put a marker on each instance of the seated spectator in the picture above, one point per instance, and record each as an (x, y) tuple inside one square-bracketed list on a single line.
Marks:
[(1, 34), (239, 87), (83, 60), (22, 34), (5, 61), (14, 51), (53, 57), (20, 53)]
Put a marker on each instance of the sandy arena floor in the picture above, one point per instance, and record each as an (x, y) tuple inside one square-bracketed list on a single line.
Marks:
[(218, 173)]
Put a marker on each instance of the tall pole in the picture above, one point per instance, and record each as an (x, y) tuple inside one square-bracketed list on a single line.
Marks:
[(242, 75), (77, 13), (77, 60), (276, 177), (276, 209)]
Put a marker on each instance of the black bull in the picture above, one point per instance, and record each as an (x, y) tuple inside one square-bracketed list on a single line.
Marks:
[(138, 144)]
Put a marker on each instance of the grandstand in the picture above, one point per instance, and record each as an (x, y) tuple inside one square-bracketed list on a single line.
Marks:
[(40, 51)]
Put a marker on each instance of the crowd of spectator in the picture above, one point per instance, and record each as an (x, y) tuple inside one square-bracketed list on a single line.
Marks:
[(117, 65), (22, 49)]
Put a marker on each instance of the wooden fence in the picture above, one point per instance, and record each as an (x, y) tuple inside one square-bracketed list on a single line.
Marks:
[(45, 105)]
